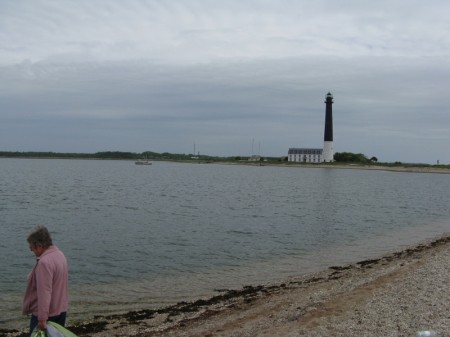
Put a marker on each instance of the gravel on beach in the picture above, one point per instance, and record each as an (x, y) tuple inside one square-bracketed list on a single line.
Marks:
[(405, 293)]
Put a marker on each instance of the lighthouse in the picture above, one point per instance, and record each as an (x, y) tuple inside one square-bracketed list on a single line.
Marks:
[(317, 155), (328, 153)]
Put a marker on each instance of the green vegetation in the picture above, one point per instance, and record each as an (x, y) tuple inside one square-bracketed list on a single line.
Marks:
[(339, 157), (361, 159), (97, 155), (116, 155), (348, 157)]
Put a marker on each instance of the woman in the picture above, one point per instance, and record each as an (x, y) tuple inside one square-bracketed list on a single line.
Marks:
[(46, 296)]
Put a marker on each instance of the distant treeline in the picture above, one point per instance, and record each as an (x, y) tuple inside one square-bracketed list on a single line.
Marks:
[(349, 157), (98, 155), (106, 155), (128, 156), (359, 158)]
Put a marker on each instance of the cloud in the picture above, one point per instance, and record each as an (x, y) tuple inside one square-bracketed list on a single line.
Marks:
[(200, 31), (152, 75)]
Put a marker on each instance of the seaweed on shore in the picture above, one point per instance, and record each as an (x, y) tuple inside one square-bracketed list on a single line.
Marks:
[(89, 327), (247, 294), (7, 332)]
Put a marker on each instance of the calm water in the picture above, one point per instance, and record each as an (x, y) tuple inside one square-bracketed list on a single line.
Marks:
[(149, 236)]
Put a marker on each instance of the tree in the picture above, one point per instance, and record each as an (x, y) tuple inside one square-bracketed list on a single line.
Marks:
[(348, 157)]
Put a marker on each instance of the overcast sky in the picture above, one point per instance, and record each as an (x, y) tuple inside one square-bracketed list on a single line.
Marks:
[(228, 76)]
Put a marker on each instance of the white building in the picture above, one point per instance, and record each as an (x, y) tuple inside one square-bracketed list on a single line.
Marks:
[(304, 155)]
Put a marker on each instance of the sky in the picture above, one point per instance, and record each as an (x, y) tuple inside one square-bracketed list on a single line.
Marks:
[(228, 78)]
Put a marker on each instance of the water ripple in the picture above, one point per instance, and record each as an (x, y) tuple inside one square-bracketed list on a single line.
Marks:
[(184, 230)]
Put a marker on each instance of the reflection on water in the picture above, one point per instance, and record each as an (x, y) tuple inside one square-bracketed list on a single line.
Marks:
[(159, 234)]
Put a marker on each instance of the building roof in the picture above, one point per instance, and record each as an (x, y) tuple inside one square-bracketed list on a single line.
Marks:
[(298, 150)]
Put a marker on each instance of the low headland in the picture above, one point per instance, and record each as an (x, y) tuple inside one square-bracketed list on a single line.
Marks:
[(361, 161)]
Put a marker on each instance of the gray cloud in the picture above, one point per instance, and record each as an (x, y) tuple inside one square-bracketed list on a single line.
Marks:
[(147, 75)]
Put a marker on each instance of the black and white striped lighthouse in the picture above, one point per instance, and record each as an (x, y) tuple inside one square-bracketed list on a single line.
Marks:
[(328, 153)]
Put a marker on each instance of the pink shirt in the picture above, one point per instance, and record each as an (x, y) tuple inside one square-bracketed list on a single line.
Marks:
[(47, 289)]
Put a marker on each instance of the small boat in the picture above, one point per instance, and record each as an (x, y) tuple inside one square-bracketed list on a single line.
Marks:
[(143, 162)]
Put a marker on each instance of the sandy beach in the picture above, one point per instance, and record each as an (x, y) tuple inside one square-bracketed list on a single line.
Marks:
[(398, 294), (445, 169), (397, 168)]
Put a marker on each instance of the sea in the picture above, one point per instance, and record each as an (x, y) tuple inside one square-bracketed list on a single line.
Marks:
[(139, 236)]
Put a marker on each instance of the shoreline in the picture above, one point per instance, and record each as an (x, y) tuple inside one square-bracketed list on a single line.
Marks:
[(396, 168), (412, 169), (396, 294), (407, 169)]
